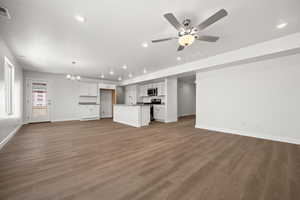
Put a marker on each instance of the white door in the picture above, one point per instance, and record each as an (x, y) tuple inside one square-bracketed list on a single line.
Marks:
[(106, 103), (38, 104)]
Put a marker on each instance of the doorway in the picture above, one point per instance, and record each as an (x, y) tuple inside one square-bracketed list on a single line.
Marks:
[(38, 104), (107, 100), (186, 96)]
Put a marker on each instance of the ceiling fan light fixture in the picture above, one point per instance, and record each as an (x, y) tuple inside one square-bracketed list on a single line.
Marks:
[(186, 40)]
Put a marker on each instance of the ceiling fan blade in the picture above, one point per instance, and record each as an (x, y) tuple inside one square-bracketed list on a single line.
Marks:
[(164, 39), (215, 17), (207, 38), (172, 19), (180, 48)]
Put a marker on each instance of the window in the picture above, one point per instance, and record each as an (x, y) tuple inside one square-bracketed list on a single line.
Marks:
[(9, 81)]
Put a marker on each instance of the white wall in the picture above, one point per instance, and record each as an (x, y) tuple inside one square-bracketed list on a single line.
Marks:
[(10, 123), (186, 98), (260, 99), (171, 99), (63, 93)]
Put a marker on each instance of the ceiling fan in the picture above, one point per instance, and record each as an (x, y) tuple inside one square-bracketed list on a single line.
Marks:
[(187, 34)]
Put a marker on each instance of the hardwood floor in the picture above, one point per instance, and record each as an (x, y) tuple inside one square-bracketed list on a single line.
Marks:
[(110, 161)]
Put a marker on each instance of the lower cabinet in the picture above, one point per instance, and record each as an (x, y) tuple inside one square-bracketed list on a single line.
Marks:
[(159, 112), (89, 112)]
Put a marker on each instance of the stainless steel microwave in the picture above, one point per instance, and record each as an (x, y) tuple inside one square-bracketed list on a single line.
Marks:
[(152, 92)]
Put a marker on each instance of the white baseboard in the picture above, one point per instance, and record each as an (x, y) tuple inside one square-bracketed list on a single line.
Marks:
[(10, 136), (184, 115), (251, 134), (64, 120)]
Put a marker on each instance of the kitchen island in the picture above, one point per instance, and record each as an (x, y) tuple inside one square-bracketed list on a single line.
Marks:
[(132, 115)]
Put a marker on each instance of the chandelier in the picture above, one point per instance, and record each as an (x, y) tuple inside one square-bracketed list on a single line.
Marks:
[(73, 77)]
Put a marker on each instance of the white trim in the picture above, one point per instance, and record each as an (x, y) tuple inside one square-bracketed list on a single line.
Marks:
[(184, 115), (251, 134), (9, 80), (28, 98), (92, 118), (10, 136), (64, 120)]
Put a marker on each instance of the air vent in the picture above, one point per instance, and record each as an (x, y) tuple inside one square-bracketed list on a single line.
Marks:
[(4, 12)]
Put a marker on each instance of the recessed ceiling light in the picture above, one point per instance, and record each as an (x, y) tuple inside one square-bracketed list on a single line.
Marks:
[(111, 72), (102, 76), (79, 18), (68, 76), (145, 71), (178, 58), (120, 78), (124, 66), (145, 44), (282, 25), (130, 75)]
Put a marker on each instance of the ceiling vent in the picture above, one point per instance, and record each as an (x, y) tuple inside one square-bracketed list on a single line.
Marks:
[(4, 12)]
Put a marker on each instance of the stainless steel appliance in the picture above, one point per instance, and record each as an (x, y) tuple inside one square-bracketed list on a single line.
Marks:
[(153, 101), (152, 92)]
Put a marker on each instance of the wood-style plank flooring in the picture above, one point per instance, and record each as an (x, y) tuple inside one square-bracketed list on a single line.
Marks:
[(109, 161)]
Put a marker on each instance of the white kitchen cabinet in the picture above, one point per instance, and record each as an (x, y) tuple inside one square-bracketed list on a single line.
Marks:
[(83, 89), (93, 89), (88, 89), (141, 91), (159, 112), (89, 111), (161, 89), (107, 86), (145, 90)]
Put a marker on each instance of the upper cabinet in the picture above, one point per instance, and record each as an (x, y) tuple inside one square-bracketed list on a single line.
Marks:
[(161, 89), (88, 89), (107, 86), (143, 89)]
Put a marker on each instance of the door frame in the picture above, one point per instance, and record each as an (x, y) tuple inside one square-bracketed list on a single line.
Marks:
[(113, 99), (28, 99)]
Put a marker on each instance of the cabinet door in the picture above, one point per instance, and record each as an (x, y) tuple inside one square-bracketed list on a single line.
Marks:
[(161, 89), (161, 113), (94, 110), (155, 112), (93, 89), (140, 91), (84, 112), (83, 89), (145, 90)]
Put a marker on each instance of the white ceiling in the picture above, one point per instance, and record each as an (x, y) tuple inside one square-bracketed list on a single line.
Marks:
[(49, 38)]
